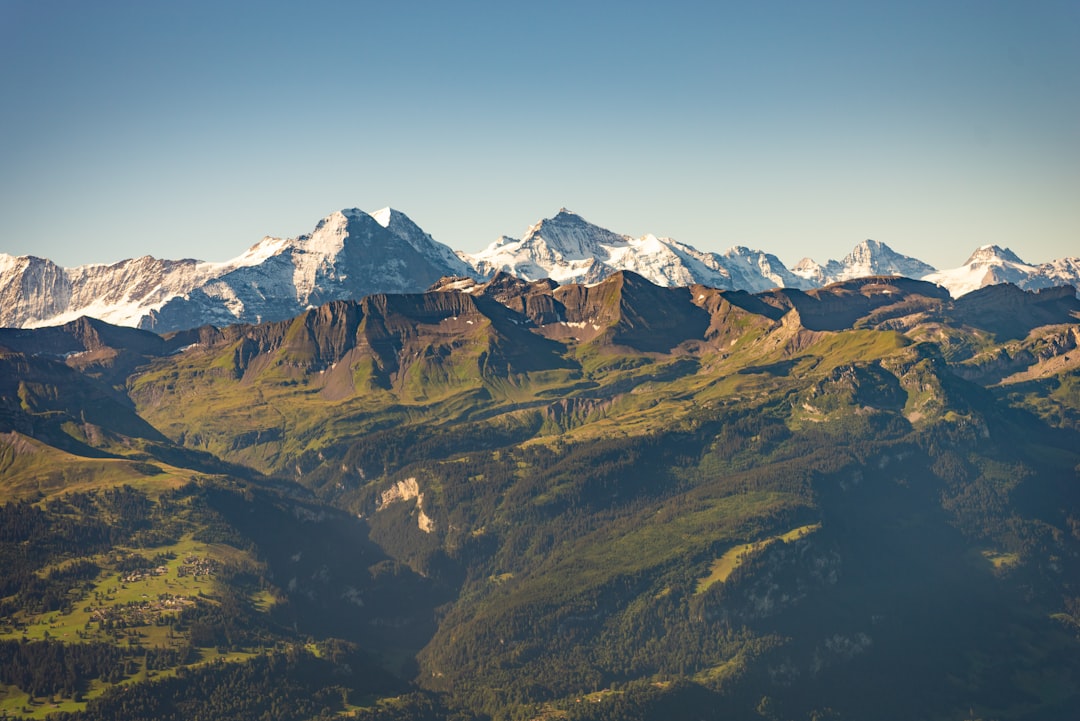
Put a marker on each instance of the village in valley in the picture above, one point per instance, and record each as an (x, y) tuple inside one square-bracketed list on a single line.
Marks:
[(130, 603)]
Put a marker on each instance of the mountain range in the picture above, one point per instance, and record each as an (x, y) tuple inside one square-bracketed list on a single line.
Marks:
[(351, 254), (513, 499)]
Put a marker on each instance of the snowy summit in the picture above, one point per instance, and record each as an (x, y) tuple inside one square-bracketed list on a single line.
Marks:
[(569, 249)]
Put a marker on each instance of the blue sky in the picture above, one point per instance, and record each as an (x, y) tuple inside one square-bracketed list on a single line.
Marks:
[(193, 129)]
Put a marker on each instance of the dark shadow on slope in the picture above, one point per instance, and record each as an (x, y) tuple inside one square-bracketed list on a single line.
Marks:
[(339, 583)]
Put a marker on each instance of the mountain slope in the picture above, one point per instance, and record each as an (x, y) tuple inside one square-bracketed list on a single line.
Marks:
[(616, 500), (720, 495)]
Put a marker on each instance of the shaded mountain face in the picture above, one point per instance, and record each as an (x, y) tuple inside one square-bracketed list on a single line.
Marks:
[(94, 347), (866, 300), (438, 254), (1009, 312), (502, 496)]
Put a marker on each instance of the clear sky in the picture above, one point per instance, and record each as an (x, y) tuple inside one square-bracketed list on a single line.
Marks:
[(193, 129)]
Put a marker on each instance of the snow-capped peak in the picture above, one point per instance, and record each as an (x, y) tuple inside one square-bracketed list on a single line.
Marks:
[(570, 237), (989, 265), (868, 251), (569, 249), (992, 253), (349, 254), (870, 257)]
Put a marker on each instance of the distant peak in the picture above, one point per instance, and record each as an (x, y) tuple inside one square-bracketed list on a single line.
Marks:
[(566, 214), (563, 219), (383, 216), (994, 252), (873, 246), (338, 219)]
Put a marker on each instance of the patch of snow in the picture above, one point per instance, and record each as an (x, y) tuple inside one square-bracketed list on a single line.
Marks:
[(382, 216), (464, 284), (959, 281)]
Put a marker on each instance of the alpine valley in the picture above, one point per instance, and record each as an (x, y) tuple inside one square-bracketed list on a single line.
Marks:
[(576, 476)]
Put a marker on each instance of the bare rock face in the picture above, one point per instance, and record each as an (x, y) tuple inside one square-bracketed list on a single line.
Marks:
[(404, 491)]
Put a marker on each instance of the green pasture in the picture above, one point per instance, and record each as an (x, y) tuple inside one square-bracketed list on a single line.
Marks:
[(722, 568), (111, 591)]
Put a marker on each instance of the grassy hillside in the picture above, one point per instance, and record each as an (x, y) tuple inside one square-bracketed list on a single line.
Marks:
[(617, 502)]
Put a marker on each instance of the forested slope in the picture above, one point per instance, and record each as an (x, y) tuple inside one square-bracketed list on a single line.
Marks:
[(520, 500)]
